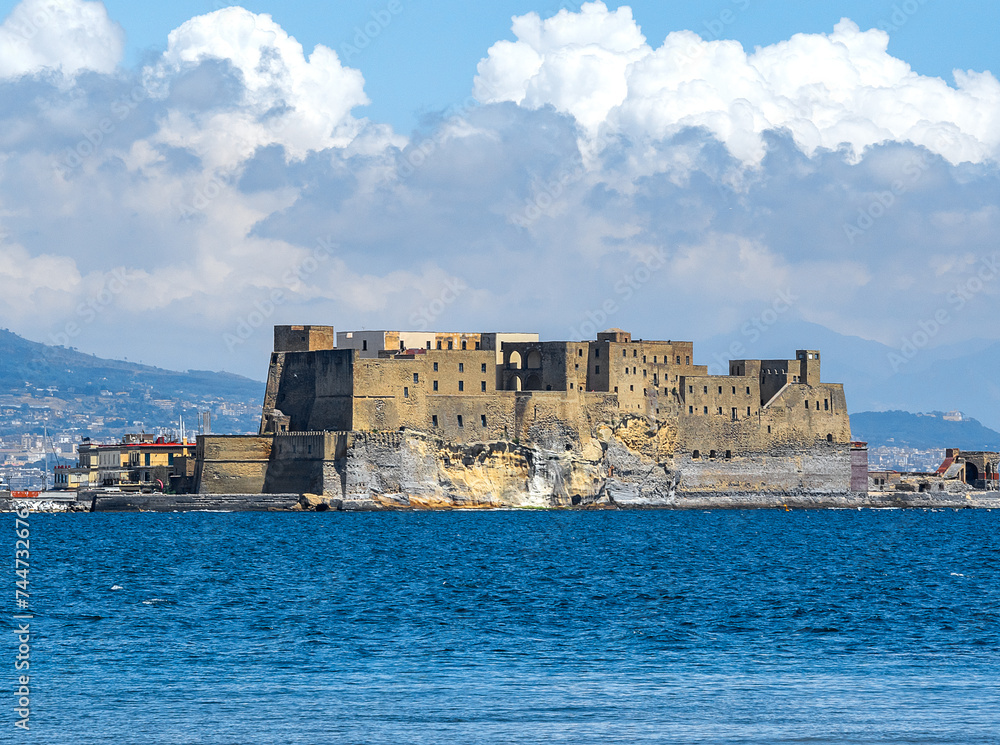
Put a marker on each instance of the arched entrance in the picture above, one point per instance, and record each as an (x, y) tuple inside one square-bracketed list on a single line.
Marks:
[(534, 360), (514, 362), (533, 383), (971, 473), (514, 384)]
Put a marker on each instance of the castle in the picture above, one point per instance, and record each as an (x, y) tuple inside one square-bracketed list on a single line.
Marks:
[(344, 413)]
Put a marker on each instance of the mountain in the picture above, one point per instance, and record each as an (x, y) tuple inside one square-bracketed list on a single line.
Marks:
[(921, 431), (64, 386)]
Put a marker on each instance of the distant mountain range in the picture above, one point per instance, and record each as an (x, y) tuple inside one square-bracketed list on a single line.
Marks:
[(75, 386), (921, 431)]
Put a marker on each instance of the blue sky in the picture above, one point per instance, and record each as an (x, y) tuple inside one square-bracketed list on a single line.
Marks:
[(681, 170), (424, 59)]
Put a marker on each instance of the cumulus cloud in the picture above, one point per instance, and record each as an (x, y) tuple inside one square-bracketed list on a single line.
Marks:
[(301, 103), (828, 90), (59, 36)]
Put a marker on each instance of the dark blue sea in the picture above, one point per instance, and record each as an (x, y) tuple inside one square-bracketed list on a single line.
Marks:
[(512, 627)]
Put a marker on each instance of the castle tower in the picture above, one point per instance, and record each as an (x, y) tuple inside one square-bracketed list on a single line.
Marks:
[(303, 338), (808, 366)]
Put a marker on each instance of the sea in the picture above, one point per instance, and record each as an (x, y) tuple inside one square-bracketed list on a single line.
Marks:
[(515, 627)]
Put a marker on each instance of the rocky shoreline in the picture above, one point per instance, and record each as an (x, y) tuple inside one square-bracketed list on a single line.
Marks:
[(609, 500)]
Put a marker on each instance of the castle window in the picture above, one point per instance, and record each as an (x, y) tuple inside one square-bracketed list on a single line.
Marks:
[(690, 410), (817, 404), (706, 410), (678, 359), (439, 345), (769, 429), (463, 345), (364, 345), (734, 389), (720, 409), (631, 387), (428, 345), (435, 385), (696, 454), (748, 411), (616, 389), (461, 385), (687, 360), (664, 391), (460, 424), (690, 389), (402, 347), (461, 368), (711, 453), (644, 392), (579, 353), (729, 454), (406, 392), (435, 367), (704, 389), (807, 405), (633, 371), (624, 353), (826, 404), (720, 389), (477, 345), (644, 373), (654, 359), (597, 354), (597, 369), (482, 419), (482, 386), (829, 438), (483, 366), (434, 421), (735, 416), (416, 377), (577, 367), (570, 386), (626, 371), (748, 390), (451, 345)]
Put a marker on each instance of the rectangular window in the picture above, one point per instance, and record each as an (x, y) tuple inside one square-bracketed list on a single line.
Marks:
[(769, 429), (735, 416), (807, 405), (734, 389), (416, 377), (451, 345), (460, 423), (435, 367), (635, 352), (748, 411), (616, 389), (439, 345), (748, 390), (624, 353), (147, 459), (720, 409), (633, 371), (597, 354), (402, 347), (482, 419), (826, 404), (644, 392), (428, 345), (644, 359), (434, 421), (364, 345), (644, 373), (483, 366), (631, 388), (706, 409), (654, 359), (406, 392), (597, 369), (720, 389), (482, 385), (463, 345), (704, 389), (571, 386), (579, 353), (461, 385), (461, 368), (435, 385), (690, 410), (690, 389), (687, 360), (678, 359)]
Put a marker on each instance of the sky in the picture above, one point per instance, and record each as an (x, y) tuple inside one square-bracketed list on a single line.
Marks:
[(177, 178)]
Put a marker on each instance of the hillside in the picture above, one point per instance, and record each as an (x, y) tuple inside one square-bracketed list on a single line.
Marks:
[(921, 431), (81, 392)]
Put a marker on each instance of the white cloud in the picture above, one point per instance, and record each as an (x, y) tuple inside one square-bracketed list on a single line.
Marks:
[(303, 104), (62, 36), (826, 89)]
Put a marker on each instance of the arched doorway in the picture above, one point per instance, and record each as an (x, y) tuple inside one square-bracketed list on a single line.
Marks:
[(534, 361), (514, 363), (971, 473), (514, 384), (533, 383)]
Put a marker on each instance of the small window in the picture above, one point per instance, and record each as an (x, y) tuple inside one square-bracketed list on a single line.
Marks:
[(807, 405), (579, 353), (829, 438), (402, 347), (706, 410), (460, 423), (439, 345), (631, 388), (734, 389), (769, 429), (696, 454), (482, 419), (626, 371), (635, 352), (483, 366), (477, 345), (748, 411), (435, 385), (687, 360), (451, 345), (435, 367), (690, 389), (644, 359), (711, 453), (720, 389), (571, 386), (748, 390), (633, 371), (416, 377), (463, 345), (729, 454), (461, 368), (434, 421), (364, 345), (406, 392), (624, 353), (678, 359), (644, 392), (734, 414), (720, 409), (704, 389), (482, 386), (428, 345), (597, 369), (654, 359), (616, 389), (461, 385), (826, 404), (644, 373), (597, 354), (690, 410)]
